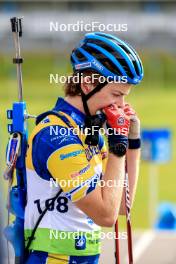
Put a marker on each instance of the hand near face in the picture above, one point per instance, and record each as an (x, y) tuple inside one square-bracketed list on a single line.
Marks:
[(134, 130)]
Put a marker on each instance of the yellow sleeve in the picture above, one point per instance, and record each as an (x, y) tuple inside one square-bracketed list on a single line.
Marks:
[(68, 165), (104, 155)]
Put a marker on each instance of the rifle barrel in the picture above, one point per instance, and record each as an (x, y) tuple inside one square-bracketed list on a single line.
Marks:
[(16, 25)]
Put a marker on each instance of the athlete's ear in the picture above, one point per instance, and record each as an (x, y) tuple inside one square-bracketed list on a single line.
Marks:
[(86, 85)]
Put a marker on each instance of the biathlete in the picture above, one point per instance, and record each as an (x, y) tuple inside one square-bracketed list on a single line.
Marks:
[(88, 170)]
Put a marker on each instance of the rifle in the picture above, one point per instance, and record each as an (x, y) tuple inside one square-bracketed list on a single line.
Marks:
[(15, 156)]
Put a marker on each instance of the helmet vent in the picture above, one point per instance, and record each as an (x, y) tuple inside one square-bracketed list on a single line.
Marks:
[(136, 68), (126, 68), (101, 44), (80, 56), (94, 52), (107, 62), (110, 66)]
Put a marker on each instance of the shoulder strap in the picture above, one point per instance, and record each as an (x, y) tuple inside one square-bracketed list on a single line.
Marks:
[(40, 117)]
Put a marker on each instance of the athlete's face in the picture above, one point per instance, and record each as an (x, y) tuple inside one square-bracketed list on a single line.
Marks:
[(112, 93)]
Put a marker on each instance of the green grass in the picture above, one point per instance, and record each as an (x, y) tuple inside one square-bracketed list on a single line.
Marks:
[(152, 101)]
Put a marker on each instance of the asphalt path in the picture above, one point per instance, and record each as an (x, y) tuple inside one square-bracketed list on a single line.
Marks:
[(149, 247)]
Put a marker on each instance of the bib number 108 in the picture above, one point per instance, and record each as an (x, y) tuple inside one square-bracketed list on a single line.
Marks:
[(61, 204)]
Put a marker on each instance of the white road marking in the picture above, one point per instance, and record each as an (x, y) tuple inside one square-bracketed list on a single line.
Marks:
[(142, 244)]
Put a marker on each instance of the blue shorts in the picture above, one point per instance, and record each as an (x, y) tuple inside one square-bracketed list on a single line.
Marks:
[(40, 257)]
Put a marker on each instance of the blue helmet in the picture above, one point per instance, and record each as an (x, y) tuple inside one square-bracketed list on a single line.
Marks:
[(109, 56)]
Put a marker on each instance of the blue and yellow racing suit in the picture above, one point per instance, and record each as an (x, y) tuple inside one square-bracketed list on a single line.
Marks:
[(58, 157)]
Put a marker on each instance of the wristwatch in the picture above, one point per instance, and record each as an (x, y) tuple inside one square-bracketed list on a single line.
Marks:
[(118, 149)]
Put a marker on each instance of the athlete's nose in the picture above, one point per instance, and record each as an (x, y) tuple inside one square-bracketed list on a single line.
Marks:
[(120, 101)]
